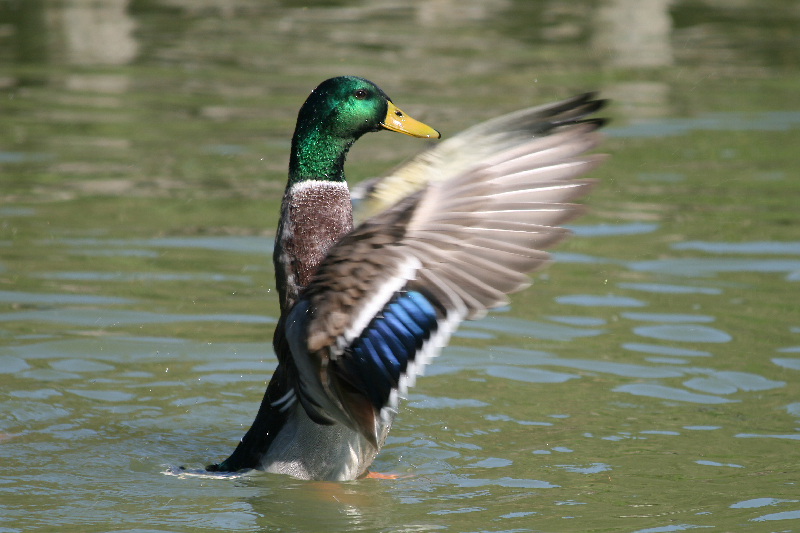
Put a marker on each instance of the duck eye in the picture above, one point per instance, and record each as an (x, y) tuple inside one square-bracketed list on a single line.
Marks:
[(360, 94)]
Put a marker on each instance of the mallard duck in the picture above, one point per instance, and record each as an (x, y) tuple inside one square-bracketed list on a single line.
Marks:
[(364, 308)]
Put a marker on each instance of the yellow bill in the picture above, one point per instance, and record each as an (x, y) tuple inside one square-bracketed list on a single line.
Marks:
[(398, 121)]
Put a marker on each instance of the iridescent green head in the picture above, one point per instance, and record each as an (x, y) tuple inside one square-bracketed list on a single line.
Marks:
[(333, 117)]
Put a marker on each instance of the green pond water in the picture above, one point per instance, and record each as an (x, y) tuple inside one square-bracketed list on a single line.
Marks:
[(648, 381)]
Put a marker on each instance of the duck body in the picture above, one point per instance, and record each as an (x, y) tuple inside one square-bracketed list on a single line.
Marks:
[(364, 308), (305, 449)]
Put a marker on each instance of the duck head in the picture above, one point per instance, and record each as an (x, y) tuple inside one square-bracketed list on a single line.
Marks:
[(333, 117)]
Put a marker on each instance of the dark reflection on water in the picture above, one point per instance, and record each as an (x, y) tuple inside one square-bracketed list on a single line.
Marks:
[(142, 161)]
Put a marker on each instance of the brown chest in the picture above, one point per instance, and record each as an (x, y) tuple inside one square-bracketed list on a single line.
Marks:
[(314, 216)]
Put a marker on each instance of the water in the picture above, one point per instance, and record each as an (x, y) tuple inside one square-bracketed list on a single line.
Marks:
[(647, 382)]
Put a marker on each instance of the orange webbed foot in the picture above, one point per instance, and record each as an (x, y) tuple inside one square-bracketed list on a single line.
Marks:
[(378, 475)]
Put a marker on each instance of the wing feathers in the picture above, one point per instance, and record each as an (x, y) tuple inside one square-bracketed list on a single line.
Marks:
[(561, 146), (387, 297)]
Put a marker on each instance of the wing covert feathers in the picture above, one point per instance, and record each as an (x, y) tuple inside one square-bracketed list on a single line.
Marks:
[(473, 217)]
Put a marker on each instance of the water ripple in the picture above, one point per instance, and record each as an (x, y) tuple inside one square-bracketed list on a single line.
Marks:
[(569, 257), (103, 318), (504, 418), (593, 468), (11, 365), (420, 401), (591, 300), (754, 247), (669, 393), (607, 230), (103, 395), (618, 369), (140, 276), (785, 515), (670, 528), (669, 289), (80, 365), (502, 482), (122, 350), (793, 436), (530, 328), (714, 463), (243, 244), (683, 333), (53, 299), (710, 385), (790, 363), (747, 382), (530, 375), (664, 350), (666, 317), (578, 320), (693, 267), (491, 462), (40, 394), (764, 121), (759, 502)]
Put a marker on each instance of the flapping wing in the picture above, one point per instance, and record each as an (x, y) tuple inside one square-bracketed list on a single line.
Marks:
[(467, 149), (386, 298)]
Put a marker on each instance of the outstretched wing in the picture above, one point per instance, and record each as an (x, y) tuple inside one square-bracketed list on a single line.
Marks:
[(465, 150), (386, 298)]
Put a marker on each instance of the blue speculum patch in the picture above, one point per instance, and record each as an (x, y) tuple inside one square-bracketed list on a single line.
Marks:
[(379, 356)]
